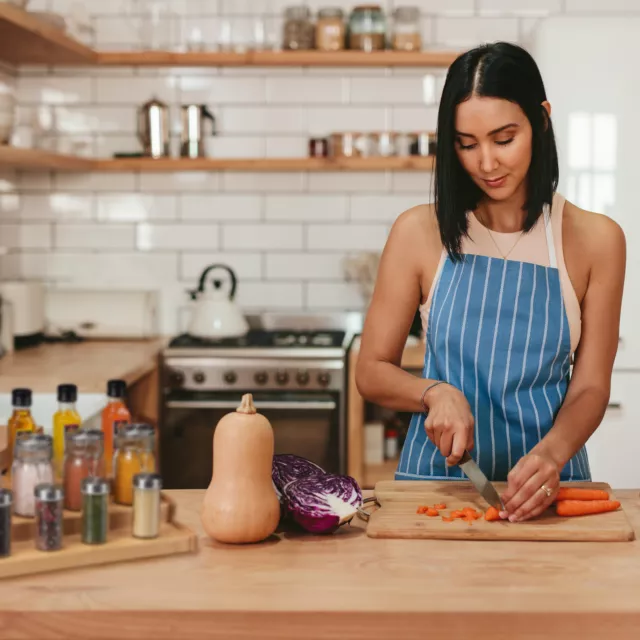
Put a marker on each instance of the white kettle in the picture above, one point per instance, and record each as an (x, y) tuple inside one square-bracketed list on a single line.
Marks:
[(215, 314)]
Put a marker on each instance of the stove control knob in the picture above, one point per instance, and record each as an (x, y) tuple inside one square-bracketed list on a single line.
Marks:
[(261, 377), (303, 377), (282, 377), (324, 378), (176, 379), (198, 377), (230, 377)]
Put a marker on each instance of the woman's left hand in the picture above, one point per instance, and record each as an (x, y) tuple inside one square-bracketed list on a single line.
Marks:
[(525, 498)]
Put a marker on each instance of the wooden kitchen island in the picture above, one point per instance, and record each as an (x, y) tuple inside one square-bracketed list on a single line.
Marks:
[(341, 586)]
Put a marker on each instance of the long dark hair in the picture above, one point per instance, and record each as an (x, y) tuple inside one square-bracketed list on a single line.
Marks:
[(499, 70)]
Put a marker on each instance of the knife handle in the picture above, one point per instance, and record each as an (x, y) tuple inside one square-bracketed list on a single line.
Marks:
[(466, 456)]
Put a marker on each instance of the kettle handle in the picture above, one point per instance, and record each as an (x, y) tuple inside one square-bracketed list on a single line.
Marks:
[(207, 114), (205, 273)]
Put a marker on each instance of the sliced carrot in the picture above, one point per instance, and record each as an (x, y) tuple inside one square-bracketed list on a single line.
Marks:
[(492, 514), (471, 513), (432, 512), (447, 519), (583, 507), (457, 514), (440, 506), (568, 493)]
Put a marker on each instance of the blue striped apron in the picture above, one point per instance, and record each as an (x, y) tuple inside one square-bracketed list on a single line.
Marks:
[(498, 331)]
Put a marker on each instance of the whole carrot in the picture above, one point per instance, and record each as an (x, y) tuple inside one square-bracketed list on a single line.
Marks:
[(583, 507), (569, 493)]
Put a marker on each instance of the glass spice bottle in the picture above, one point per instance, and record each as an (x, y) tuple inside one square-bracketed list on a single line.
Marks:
[(114, 415), (65, 419), (146, 505), (32, 466), (298, 30), (148, 455), (330, 29), (83, 459), (95, 510), (6, 501), (134, 455), (49, 507), (21, 420)]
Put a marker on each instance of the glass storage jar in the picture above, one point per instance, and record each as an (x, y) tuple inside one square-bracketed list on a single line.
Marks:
[(32, 465), (330, 29), (298, 31), (49, 506), (367, 28), (83, 459), (406, 29), (134, 454)]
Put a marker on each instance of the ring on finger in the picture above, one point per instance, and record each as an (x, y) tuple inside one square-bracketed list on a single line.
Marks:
[(547, 490)]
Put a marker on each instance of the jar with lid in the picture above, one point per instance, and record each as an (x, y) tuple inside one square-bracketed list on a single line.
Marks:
[(6, 502), (134, 454), (367, 28), (330, 29), (49, 507), (406, 29), (298, 30), (146, 505), (32, 465), (95, 510), (83, 459)]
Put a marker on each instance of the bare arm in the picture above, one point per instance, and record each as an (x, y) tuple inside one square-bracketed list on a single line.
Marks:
[(413, 246), (589, 389), (395, 300)]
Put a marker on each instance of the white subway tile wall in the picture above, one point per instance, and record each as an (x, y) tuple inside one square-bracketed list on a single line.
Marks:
[(285, 234)]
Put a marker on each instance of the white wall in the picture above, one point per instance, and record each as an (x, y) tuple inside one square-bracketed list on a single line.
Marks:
[(286, 233)]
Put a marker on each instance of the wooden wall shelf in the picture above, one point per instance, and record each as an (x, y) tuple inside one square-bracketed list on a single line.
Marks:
[(38, 160), (25, 39), (265, 164), (278, 59)]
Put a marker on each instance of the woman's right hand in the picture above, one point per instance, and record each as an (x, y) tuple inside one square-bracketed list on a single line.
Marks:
[(449, 423)]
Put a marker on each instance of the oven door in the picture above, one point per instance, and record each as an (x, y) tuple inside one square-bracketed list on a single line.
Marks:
[(306, 424)]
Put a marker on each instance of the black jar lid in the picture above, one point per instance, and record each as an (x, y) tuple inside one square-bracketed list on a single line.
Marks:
[(116, 388), (67, 393), (21, 397)]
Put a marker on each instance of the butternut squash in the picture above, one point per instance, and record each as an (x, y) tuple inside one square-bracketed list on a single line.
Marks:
[(241, 505)]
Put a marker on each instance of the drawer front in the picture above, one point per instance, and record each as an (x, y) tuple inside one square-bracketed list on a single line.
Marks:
[(614, 448)]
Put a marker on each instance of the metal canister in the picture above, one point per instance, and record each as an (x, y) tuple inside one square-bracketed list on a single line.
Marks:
[(153, 128)]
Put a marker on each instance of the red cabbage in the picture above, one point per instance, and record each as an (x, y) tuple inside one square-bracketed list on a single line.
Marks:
[(320, 503), (288, 467)]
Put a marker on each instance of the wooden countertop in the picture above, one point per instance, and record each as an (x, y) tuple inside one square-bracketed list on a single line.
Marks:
[(88, 364), (341, 586)]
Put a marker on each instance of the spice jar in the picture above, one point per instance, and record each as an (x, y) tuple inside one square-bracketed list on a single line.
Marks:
[(386, 144), (406, 29), (298, 31), (49, 506), (425, 144), (146, 505), (6, 501), (344, 145), (330, 29), (32, 465), (95, 510), (134, 454), (148, 455), (318, 148), (83, 459), (367, 28)]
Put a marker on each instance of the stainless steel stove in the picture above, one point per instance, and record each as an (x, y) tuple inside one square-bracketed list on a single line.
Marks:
[(295, 367)]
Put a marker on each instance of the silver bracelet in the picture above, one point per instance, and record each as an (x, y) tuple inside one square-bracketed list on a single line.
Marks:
[(424, 393)]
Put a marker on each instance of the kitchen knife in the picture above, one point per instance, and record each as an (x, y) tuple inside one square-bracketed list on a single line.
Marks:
[(480, 481)]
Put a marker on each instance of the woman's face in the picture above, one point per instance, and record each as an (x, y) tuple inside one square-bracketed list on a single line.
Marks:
[(493, 143)]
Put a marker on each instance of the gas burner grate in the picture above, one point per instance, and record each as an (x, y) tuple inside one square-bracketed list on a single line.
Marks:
[(267, 339)]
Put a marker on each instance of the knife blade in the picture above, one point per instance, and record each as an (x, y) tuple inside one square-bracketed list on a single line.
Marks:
[(480, 481)]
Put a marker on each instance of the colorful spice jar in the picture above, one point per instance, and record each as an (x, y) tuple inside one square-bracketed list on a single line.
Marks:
[(49, 499), (32, 465), (95, 510), (146, 505), (134, 454), (6, 501), (83, 459)]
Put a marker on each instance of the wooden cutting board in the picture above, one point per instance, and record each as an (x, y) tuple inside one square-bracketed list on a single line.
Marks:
[(397, 518)]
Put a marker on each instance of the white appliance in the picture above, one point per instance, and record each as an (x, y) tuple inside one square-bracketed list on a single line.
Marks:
[(23, 311), (589, 68), (102, 314)]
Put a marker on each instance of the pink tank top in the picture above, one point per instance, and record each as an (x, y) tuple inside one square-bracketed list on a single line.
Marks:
[(541, 246)]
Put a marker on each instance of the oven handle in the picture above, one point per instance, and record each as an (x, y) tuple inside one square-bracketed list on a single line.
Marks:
[(313, 405)]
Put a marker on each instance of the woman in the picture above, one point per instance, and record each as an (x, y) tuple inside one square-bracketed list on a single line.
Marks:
[(512, 283)]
